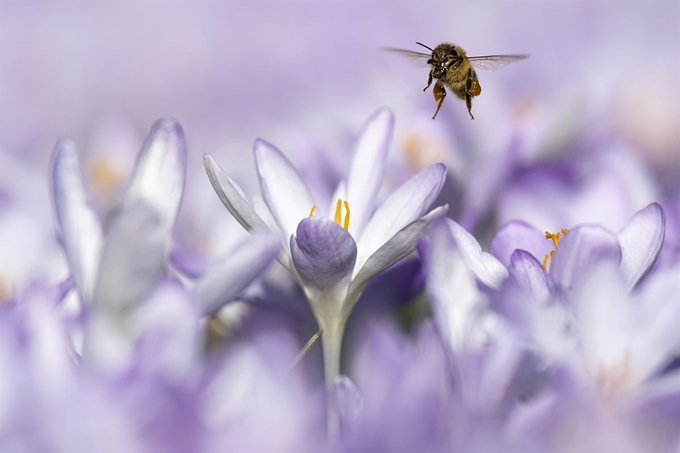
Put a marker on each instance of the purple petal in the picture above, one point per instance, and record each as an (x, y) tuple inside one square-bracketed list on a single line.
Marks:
[(158, 177), (283, 190), (396, 248), (486, 268), (228, 277), (80, 228), (368, 168), (580, 252), (530, 276), (133, 258), (404, 206), (323, 252), (231, 196), (518, 235), (641, 240), (348, 400)]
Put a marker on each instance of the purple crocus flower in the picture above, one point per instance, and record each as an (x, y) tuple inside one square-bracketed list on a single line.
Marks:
[(333, 257), (585, 312)]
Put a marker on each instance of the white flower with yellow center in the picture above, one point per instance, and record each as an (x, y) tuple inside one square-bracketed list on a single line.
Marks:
[(333, 257)]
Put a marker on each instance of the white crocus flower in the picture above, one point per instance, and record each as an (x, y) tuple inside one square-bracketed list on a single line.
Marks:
[(333, 257)]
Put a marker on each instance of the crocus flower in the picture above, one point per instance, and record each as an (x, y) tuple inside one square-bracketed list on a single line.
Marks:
[(333, 257), (116, 272)]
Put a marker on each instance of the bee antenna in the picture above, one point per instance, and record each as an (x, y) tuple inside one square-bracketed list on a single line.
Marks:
[(428, 48)]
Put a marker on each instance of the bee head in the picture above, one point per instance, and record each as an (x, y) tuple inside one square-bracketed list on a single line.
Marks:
[(443, 57)]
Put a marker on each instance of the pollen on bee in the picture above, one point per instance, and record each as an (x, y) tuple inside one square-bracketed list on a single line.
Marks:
[(337, 218), (555, 237)]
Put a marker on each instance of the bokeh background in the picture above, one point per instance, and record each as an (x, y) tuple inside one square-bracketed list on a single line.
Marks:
[(603, 82)]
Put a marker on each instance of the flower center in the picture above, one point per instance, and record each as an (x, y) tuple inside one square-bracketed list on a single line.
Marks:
[(104, 176), (337, 217), (555, 237), (6, 291), (610, 381)]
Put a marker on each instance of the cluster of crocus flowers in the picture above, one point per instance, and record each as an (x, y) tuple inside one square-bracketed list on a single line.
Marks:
[(518, 345)]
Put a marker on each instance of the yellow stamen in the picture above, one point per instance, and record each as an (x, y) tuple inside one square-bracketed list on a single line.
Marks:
[(337, 218), (555, 237), (338, 212), (311, 213), (345, 225)]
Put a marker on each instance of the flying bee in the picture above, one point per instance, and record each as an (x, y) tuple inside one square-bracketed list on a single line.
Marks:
[(451, 67)]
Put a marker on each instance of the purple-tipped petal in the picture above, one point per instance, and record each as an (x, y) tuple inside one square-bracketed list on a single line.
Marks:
[(529, 275), (405, 205), (518, 235), (580, 252), (133, 258), (396, 248), (80, 228), (158, 177), (641, 240), (232, 196), (486, 268), (323, 253), (348, 400), (232, 273), (283, 190), (368, 168)]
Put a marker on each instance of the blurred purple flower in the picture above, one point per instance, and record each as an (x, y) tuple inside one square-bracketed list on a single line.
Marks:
[(116, 273)]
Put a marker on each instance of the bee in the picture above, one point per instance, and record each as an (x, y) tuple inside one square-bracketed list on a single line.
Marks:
[(451, 67)]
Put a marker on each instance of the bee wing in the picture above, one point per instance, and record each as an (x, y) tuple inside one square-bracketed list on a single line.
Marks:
[(495, 62), (417, 57)]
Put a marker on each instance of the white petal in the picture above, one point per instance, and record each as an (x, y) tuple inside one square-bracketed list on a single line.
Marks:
[(339, 194), (405, 205), (368, 168), (133, 259), (456, 299), (641, 240), (284, 192), (263, 212), (158, 177), (224, 280), (485, 266), (231, 196), (657, 320), (399, 246), (78, 222)]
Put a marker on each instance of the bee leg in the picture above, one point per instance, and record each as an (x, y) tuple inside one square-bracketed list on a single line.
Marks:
[(439, 95), (468, 103), (429, 81)]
